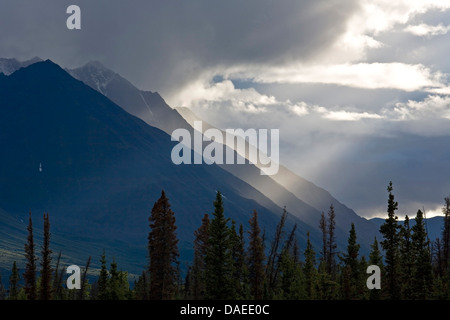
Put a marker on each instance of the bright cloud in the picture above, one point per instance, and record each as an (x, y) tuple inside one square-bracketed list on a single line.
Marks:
[(224, 94), (394, 75), (427, 30), (434, 106), (373, 18), (351, 116)]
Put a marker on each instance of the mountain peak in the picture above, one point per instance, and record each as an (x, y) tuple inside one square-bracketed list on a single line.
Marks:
[(46, 68), (96, 65), (94, 74)]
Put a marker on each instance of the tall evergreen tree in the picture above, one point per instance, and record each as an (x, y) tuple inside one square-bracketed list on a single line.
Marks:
[(46, 288), (422, 269), (437, 257), (198, 272), (351, 267), (30, 268), (163, 250), (256, 259), (239, 266), (309, 270), (14, 279), (141, 287), (323, 228), (291, 282), (446, 236), (406, 258), (219, 261), (331, 243), (118, 288), (102, 293), (390, 244)]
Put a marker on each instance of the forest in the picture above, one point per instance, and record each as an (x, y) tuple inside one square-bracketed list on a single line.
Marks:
[(232, 264)]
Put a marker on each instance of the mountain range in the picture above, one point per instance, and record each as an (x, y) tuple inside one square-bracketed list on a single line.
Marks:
[(91, 149), (97, 169)]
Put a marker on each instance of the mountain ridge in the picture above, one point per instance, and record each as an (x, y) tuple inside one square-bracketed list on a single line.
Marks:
[(296, 193), (103, 168)]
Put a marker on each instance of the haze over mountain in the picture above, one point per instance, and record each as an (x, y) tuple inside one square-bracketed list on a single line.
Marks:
[(149, 106), (284, 188), (102, 168)]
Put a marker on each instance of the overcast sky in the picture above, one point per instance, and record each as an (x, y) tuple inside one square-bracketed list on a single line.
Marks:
[(360, 90)]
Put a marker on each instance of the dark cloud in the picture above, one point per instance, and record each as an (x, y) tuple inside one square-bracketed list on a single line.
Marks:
[(161, 44)]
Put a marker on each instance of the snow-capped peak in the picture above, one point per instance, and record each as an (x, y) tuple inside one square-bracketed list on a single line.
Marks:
[(95, 75)]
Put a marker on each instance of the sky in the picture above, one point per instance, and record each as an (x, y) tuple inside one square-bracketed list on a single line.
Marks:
[(360, 90)]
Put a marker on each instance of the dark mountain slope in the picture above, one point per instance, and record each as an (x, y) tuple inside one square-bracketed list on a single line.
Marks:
[(102, 168)]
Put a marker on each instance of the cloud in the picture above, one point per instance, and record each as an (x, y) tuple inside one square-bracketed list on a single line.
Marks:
[(433, 107), (424, 30), (219, 95), (351, 116), (394, 75), (373, 18)]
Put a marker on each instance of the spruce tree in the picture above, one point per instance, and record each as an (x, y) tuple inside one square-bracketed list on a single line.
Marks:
[(255, 259), (118, 288), (198, 272), (141, 288), (390, 244), (46, 288), (444, 255), (29, 275), (163, 250), (351, 267), (219, 262), (437, 255), (446, 236), (406, 260), (291, 282), (14, 279), (331, 243), (239, 266), (323, 228), (422, 269), (102, 293), (309, 270)]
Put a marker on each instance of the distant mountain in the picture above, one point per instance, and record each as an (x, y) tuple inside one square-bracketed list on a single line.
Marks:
[(149, 106), (70, 151), (434, 225), (8, 66)]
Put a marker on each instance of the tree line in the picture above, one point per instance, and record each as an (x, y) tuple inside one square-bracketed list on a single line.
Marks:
[(233, 264)]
